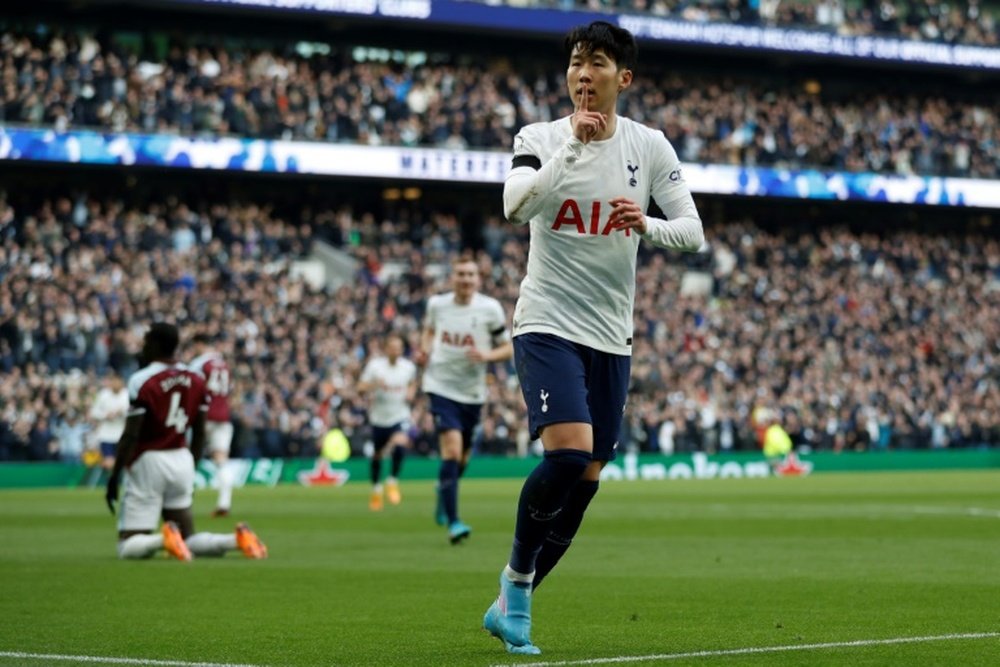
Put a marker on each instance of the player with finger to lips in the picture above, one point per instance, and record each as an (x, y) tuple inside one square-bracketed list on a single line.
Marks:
[(583, 183)]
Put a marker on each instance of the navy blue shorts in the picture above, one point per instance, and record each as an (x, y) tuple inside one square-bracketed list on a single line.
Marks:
[(564, 381), (108, 449), (449, 414), (382, 434)]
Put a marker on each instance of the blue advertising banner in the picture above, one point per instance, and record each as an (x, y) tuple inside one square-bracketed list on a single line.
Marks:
[(432, 164)]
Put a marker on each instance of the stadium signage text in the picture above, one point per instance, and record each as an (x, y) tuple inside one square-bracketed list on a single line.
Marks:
[(701, 467), (808, 41), (554, 21), (410, 9)]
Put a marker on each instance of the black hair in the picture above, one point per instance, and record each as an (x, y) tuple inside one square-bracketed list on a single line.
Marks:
[(617, 43), (164, 337)]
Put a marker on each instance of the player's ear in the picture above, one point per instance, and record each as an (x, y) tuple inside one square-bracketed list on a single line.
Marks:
[(624, 79)]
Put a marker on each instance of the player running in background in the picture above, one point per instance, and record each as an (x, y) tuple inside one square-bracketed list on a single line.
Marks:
[(463, 331), (167, 401), (583, 183), (108, 412), (213, 369), (391, 381)]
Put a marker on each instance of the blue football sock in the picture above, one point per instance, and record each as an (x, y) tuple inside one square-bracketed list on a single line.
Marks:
[(398, 453), (542, 498), (376, 470), (564, 529), (448, 484)]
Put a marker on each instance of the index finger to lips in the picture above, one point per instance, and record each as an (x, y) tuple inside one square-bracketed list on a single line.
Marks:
[(584, 100)]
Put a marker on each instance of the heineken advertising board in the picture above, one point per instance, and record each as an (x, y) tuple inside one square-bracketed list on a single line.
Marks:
[(311, 472)]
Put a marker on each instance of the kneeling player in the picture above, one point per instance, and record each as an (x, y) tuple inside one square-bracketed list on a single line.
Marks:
[(166, 400)]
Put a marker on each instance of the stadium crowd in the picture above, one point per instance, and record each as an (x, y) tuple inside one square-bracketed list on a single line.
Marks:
[(852, 340), (967, 22), (65, 80)]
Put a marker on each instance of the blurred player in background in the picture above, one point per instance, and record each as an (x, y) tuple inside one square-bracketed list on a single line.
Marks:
[(391, 381), (213, 369), (167, 400), (108, 412), (463, 331), (583, 183)]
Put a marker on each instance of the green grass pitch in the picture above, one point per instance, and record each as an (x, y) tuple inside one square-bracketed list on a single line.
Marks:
[(659, 569)]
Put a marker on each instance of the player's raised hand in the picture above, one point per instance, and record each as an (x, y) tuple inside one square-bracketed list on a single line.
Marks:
[(587, 124), (626, 214)]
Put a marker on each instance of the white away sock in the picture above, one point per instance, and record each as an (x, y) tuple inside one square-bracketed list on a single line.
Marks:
[(518, 577), (211, 544), (140, 546), (225, 488)]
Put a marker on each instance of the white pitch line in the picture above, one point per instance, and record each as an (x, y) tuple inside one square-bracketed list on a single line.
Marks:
[(752, 650), (142, 662), (969, 511)]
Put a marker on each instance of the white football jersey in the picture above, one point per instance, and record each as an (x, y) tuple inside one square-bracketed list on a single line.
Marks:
[(479, 325), (580, 282), (107, 403), (388, 405)]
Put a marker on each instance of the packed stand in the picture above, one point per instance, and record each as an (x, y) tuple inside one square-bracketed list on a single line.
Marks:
[(968, 22), (69, 80), (856, 341)]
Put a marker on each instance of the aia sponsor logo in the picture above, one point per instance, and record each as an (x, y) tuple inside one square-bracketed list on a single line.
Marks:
[(570, 216), (457, 339)]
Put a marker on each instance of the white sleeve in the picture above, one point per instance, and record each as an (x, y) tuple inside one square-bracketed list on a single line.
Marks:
[(99, 409), (367, 375), (526, 187), (682, 230), (430, 315), (498, 327)]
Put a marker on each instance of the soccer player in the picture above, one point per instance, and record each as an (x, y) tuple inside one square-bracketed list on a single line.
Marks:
[(214, 370), (392, 382), (108, 412), (583, 183), (167, 401), (463, 331)]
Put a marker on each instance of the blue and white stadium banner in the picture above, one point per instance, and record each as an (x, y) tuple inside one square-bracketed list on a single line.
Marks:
[(654, 28), (433, 164)]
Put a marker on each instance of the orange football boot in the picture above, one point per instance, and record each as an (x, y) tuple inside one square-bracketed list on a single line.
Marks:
[(174, 543), (249, 543)]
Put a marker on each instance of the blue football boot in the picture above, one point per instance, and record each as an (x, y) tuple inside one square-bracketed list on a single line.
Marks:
[(509, 618), (458, 531)]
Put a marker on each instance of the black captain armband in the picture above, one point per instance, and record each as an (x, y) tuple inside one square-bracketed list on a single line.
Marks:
[(498, 335), (526, 161)]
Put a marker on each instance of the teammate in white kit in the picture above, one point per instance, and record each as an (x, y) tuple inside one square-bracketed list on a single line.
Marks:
[(213, 369), (108, 412), (167, 401), (583, 183), (463, 331), (392, 382)]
